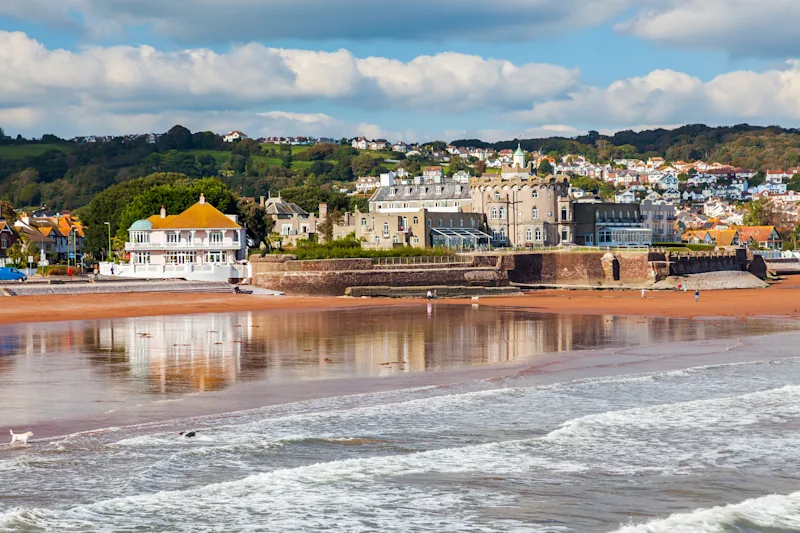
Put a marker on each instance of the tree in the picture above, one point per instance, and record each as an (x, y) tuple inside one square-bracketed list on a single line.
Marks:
[(363, 165), (545, 168), (794, 183), (20, 250), (255, 217), (763, 212), (480, 168), (177, 138), (683, 177), (756, 180), (333, 219), (456, 164), (207, 165)]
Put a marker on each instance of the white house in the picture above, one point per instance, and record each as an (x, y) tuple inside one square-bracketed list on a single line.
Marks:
[(627, 197), (462, 176), (360, 144), (200, 243), (400, 146), (234, 136)]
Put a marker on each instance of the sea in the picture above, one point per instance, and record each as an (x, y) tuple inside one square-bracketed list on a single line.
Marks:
[(403, 419)]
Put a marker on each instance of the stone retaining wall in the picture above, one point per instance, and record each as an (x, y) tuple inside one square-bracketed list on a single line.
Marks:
[(328, 283)]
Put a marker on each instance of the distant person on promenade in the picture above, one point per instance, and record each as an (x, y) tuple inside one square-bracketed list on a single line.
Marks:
[(697, 296), (96, 273), (112, 270)]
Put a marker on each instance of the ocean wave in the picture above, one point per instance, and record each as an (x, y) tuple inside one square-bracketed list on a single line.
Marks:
[(770, 514)]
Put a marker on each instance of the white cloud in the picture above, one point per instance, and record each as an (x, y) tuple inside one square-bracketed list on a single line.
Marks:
[(204, 21), (742, 27), (141, 79), (670, 97)]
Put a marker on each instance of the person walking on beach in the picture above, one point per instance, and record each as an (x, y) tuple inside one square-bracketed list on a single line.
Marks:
[(697, 296), (643, 294), (435, 296), (430, 295)]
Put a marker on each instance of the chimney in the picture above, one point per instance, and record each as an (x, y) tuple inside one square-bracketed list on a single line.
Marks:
[(202, 198), (163, 212), (323, 211), (261, 201)]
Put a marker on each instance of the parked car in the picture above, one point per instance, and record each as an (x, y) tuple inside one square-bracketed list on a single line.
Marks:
[(12, 274)]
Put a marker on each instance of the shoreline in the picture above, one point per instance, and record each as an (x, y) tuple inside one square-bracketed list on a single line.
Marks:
[(779, 300)]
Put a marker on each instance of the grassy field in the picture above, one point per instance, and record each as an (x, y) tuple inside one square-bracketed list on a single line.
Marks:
[(31, 150), (220, 156)]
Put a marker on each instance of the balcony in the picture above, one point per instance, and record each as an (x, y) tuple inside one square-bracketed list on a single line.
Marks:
[(226, 244)]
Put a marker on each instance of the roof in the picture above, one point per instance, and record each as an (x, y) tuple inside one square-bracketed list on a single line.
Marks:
[(755, 233), (519, 150), (141, 225), (449, 191), (201, 215), (723, 237), (279, 206)]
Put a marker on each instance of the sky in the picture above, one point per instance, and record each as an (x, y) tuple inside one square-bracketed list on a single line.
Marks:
[(415, 70)]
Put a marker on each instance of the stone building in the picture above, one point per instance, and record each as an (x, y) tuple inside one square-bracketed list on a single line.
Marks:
[(659, 217), (419, 229), (445, 197), (290, 220), (525, 212), (600, 223)]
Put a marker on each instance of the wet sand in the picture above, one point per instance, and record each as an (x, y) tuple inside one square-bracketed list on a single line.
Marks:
[(781, 299)]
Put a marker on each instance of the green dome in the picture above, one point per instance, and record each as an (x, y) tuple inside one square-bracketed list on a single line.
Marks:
[(141, 225), (519, 151)]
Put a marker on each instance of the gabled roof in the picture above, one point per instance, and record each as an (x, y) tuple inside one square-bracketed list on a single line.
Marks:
[(279, 206), (756, 233), (724, 237)]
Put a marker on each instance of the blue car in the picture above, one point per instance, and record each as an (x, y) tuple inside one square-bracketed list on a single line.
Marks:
[(12, 274)]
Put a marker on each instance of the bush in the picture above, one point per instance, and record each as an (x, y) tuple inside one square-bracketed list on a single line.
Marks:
[(56, 270), (350, 248), (701, 247)]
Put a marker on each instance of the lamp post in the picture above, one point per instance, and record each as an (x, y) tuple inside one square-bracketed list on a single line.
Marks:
[(109, 239)]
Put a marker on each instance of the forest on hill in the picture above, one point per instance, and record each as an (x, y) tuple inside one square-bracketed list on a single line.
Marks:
[(57, 174), (754, 147)]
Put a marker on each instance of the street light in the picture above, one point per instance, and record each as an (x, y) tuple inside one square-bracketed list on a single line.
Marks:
[(109, 239)]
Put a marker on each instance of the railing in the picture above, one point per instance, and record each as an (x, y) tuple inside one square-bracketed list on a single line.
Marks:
[(183, 245), (421, 260)]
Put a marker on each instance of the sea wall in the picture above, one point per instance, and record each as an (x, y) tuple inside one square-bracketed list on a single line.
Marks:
[(335, 283), (580, 268), (682, 263)]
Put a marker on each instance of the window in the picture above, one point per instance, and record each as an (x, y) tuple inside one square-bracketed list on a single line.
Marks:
[(430, 222), (395, 240), (216, 257), (215, 237), (440, 223), (564, 214), (415, 220), (534, 193), (451, 222), (497, 195), (502, 213), (438, 190), (363, 222), (236, 234), (564, 235), (392, 192), (415, 240), (3, 241), (458, 189), (535, 213), (377, 239), (141, 258), (528, 235), (538, 235), (549, 214), (174, 237), (385, 229), (494, 213)]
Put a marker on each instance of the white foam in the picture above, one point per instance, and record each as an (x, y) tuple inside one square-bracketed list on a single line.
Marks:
[(771, 512)]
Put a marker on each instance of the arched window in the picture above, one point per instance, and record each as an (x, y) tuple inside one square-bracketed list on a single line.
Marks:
[(494, 213), (415, 220), (538, 235), (502, 213), (549, 214), (534, 193), (535, 213), (441, 223), (472, 222), (386, 229), (528, 235), (564, 214), (496, 195), (363, 222)]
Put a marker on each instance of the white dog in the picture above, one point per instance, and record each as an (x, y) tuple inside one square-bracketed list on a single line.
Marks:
[(20, 437)]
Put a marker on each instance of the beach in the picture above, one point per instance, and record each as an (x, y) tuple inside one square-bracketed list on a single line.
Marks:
[(781, 299)]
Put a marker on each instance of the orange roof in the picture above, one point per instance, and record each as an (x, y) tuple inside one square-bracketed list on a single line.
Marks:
[(756, 233), (199, 216), (723, 237)]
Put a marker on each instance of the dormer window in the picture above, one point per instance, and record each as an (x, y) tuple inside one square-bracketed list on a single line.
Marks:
[(438, 190), (392, 191)]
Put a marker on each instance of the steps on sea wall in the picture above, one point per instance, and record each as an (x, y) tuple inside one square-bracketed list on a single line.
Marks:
[(115, 288)]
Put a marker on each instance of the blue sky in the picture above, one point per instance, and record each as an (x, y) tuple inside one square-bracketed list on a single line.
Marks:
[(417, 70)]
